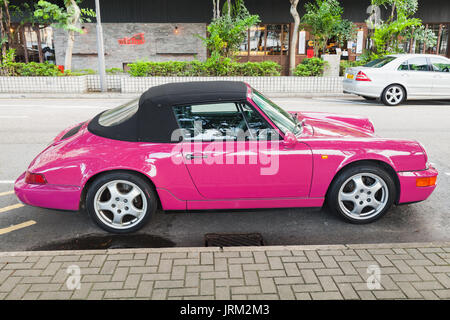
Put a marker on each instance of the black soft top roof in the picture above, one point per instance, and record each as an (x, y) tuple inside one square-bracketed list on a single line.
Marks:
[(155, 121), (193, 92)]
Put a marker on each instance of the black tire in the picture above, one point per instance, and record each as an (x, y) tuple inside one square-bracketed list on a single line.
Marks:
[(393, 95), (341, 181), (369, 98), (101, 217)]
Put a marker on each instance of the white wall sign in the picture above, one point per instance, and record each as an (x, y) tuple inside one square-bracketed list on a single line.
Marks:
[(359, 41), (301, 42)]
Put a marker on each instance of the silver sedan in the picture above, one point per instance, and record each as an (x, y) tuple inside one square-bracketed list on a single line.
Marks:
[(396, 78)]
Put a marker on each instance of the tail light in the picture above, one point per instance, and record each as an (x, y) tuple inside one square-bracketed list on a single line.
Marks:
[(35, 178), (361, 76)]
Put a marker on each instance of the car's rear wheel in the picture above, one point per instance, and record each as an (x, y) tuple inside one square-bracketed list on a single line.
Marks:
[(120, 202), (393, 95), (362, 194)]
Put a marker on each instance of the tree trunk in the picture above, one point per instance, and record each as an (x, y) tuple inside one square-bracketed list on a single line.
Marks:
[(75, 12), (293, 45), (69, 50), (23, 41), (325, 46), (39, 42), (8, 25), (2, 33), (393, 11), (229, 7), (218, 9)]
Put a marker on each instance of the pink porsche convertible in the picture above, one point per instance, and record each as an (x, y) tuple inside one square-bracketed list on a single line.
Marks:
[(222, 145)]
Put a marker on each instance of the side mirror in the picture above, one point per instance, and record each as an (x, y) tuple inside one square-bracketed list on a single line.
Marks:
[(290, 138)]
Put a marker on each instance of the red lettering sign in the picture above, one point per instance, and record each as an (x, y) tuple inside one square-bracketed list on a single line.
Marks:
[(138, 38)]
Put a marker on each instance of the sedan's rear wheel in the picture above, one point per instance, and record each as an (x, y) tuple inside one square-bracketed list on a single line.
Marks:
[(362, 194), (393, 95), (120, 202)]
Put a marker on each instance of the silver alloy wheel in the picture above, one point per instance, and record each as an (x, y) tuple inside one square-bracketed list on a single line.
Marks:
[(394, 95), (363, 196), (120, 204)]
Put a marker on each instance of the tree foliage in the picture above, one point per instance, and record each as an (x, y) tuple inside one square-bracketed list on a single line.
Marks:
[(400, 26), (324, 18), (62, 18), (67, 18), (227, 32)]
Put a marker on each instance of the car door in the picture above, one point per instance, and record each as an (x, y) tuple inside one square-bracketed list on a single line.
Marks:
[(226, 160), (417, 76), (441, 78)]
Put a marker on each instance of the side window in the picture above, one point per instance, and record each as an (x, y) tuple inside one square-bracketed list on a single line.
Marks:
[(418, 64), (403, 66), (258, 127), (222, 121), (208, 122), (440, 64)]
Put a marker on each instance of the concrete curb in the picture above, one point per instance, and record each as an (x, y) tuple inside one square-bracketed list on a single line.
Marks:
[(117, 95), (229, 249)]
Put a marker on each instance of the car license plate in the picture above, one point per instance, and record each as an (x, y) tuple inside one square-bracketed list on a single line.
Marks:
[(350, 76)]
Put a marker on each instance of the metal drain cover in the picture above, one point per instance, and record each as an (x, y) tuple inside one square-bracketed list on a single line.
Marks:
[(233, 239)]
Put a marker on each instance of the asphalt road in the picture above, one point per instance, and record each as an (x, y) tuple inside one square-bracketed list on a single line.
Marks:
[(28, 125)]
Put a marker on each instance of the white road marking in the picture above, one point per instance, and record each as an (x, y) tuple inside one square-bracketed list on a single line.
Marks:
[(7, 181), (13, 117), (6, 193), (55, 106), (17, 226), (345, 101)]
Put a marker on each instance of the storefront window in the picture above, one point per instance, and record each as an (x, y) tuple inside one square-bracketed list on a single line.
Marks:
[(257, 39), (266, 39), (284, 39), (30, 36), (441, 32), (243, 48), (443, 45), (273, 46)]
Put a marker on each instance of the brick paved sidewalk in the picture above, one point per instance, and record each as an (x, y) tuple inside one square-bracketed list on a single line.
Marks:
[(407, 271)]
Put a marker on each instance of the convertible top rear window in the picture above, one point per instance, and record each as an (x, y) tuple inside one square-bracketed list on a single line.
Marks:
[(119, 114)]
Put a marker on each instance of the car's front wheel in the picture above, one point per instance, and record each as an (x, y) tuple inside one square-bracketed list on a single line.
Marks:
[(393, 95), (362, 194), (120, 202)]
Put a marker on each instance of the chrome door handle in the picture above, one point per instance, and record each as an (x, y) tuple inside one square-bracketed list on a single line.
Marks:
[(191, 156)]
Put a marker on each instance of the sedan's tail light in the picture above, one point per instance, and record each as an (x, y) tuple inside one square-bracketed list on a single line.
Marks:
[(361, 76), (35, 178)]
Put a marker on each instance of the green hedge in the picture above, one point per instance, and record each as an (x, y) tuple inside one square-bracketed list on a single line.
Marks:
[(310, 67), (32, 69), (208, 68)]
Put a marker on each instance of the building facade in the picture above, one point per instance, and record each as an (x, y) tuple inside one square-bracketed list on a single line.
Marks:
[(160, 30)]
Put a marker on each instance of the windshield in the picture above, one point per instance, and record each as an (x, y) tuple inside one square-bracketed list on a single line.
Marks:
[(378, 63), (119, 114), (282, 119)]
